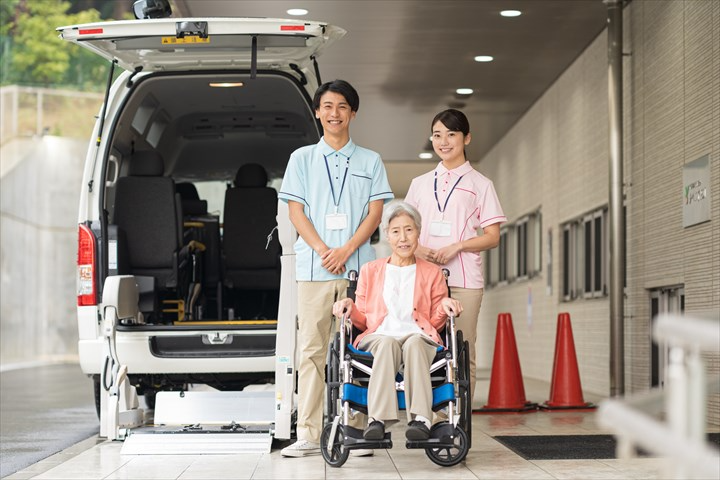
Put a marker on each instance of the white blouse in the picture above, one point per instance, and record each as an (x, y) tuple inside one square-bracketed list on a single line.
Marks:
[(398, 292)]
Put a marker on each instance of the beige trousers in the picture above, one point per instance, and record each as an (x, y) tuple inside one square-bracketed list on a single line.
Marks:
[(315, 326), (470, 299), (417, 353)]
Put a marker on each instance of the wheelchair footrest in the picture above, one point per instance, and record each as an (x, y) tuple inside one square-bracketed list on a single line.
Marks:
[(442, 435), (430, 443), (354, 439)]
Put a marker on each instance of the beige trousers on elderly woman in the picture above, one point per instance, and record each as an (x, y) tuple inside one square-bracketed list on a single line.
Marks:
[(417, 353)]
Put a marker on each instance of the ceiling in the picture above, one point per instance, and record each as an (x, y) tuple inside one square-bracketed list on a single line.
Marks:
[(406, 58)]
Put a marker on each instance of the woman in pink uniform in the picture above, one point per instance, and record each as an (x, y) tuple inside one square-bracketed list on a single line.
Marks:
[(455, 201)]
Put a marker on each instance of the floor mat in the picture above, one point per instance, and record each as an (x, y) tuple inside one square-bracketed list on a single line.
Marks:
[(568, 447)]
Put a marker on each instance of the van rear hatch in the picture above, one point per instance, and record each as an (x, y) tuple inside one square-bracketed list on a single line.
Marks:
[(204, 43)]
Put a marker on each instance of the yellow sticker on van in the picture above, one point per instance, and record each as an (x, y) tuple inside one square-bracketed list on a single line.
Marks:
[(184, 40)]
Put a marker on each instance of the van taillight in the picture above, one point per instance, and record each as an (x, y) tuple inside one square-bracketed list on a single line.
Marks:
[(86, 267)]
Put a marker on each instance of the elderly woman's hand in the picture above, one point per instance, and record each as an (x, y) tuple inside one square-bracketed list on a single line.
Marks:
[(452, 307), (343, 307)]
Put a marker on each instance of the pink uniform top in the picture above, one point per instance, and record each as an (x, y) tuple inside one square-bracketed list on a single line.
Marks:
[(454, 204)]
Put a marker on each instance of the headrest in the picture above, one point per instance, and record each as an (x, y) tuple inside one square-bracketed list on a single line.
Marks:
[(192, 207), (146, 164), (251, 175), (187, 191)]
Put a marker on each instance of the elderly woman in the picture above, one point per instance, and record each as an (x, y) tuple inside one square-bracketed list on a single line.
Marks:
[(401, 302)]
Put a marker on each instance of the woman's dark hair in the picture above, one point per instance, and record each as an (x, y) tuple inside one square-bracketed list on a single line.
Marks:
[(341, 87), (454, 120)]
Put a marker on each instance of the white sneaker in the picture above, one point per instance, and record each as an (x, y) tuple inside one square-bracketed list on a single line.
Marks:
[(362, 452), (301, 448)]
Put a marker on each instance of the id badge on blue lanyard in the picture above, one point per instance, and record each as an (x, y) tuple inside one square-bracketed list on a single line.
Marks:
[(336, 221), (442, 228)]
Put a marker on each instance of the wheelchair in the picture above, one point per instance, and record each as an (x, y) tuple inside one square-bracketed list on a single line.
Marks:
[(348, 374)]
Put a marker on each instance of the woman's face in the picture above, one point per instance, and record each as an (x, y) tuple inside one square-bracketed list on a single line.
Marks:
[(448, 145), (402, 235)]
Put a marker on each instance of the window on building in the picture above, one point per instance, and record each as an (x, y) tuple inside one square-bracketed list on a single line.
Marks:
[(518, 255), (503, 256), (521, 247), (584, 256)]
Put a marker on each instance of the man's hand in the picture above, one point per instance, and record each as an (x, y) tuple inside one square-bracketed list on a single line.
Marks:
[(333, 259)]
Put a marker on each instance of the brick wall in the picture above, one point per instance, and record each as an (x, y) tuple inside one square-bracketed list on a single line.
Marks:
[(557, 158)]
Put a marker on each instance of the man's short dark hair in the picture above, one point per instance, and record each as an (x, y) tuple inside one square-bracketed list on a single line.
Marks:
[(341, 87)]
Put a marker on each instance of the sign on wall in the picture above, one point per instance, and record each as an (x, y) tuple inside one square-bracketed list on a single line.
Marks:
[(696, 191)]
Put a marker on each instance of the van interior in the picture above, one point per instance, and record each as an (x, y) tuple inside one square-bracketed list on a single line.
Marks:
[(190, 197)]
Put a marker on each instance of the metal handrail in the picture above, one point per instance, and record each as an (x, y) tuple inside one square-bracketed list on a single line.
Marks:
[(681, 437)]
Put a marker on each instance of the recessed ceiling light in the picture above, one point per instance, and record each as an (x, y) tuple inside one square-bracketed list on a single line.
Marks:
[(426, 155), (297, 11), (225, 84), (511, 13), (484, 58), (464, 91)]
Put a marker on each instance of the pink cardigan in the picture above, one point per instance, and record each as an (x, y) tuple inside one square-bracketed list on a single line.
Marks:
[(370, 309)]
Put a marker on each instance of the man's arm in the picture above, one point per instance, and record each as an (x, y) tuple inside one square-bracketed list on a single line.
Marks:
[(305, 228), (333, 259)]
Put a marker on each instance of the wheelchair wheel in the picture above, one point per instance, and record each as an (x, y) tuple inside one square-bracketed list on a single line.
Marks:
[(338, 454), (465, 402), (333, 379), (447, 457)]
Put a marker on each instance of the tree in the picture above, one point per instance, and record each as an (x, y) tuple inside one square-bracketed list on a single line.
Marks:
[(39, 56), (8, 9)]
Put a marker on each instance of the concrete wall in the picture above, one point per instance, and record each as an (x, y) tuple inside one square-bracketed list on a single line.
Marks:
[(39, 193), (556, 158)]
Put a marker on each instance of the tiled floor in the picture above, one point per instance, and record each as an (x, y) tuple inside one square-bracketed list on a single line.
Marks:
[(96, 459), (488, 459)]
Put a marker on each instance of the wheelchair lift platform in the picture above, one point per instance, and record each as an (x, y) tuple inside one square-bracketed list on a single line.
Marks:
[(206, 422), (192, 422)]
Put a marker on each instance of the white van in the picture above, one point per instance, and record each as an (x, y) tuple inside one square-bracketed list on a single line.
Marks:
[(178, 191)]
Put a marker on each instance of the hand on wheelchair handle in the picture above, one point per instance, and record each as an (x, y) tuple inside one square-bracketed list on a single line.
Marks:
[(343, 308), (452, 307)]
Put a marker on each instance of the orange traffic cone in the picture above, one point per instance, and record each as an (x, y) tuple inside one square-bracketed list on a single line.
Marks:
[(507, 393), (565, 389)]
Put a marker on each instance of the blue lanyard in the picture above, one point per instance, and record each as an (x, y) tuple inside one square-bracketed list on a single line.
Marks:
[(447, 199), (332, 188)]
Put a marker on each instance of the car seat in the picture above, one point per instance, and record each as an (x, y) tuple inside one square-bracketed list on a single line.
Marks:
[(250, 244), (148, 213)]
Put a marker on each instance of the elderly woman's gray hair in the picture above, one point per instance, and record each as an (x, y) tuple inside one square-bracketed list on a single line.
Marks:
[(397, 208)]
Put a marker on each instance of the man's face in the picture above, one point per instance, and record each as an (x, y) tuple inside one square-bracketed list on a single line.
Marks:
[(334, 113)]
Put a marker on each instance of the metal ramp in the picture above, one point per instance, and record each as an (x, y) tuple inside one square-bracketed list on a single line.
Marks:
[(206, 422)]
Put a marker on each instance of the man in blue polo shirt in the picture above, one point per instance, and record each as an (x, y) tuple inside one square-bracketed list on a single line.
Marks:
[(335, 191)]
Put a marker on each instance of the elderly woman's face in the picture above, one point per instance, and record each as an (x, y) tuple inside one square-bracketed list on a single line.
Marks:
[(403, 235)]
